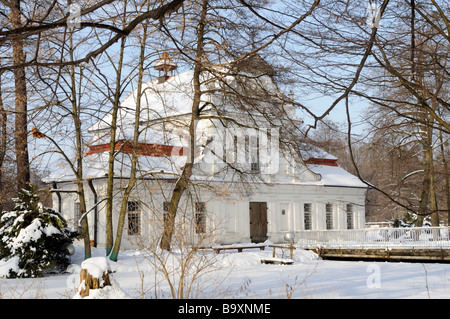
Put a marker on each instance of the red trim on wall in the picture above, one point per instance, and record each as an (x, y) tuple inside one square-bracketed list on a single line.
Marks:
[(321, 161), (142, 149)]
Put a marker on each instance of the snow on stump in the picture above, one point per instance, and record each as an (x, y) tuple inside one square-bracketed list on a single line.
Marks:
[(94, 274)]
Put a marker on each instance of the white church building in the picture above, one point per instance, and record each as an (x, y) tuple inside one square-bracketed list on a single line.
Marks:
[(245, 188)]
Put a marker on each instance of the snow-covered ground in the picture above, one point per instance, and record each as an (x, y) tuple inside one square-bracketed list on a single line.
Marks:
[(234, 275)]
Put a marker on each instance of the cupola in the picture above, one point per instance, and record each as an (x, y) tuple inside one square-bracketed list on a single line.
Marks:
[(165, 66)]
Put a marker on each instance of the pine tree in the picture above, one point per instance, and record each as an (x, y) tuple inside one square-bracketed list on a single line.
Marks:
[(36, 237)]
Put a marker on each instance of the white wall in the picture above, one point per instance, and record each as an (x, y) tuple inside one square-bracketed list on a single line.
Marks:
[(227, 214)]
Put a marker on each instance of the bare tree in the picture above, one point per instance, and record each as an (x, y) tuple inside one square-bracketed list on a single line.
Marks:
[(368, 50), (135, 143), (207, 48), (21, 120), (3, 141), (57, 16)]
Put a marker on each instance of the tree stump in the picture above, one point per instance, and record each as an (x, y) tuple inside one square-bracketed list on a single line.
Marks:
[(88, 282), (94, 274)]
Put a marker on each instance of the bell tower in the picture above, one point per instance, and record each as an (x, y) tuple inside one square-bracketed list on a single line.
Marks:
[(165, 66)]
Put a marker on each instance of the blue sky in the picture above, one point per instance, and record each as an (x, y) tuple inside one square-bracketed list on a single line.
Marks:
[(338, 114)]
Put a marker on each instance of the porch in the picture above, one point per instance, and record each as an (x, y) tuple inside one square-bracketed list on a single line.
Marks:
[(417, 237), (394, 244)]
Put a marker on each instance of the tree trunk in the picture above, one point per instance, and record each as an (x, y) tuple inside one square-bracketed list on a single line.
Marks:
[(112, 152), (21, 131), (433, 200), (423, 210), (178, 191), (182, 182), (134, 158), (76, 114), (3, 122), (111, 159), (446, 176), (84, 221)]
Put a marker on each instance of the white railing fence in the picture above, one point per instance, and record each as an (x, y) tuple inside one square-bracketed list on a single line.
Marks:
[(418, 237)]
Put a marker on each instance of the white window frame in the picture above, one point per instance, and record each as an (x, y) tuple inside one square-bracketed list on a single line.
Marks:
[(77, 216), (134, 218), (307, 216), (200, 218), (329, 211), (350, 216)]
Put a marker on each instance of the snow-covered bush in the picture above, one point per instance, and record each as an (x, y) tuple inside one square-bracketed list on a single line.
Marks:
[(33, 239), (408, 220)]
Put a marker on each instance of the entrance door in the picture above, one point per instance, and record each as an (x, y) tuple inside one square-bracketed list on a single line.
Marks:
[(258, 221)]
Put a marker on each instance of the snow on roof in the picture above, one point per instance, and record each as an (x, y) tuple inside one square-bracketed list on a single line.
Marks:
[(309, 151), (336, 176), (331, 175), (172, 98), (165, 60), (96, 166), (154, 134)]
